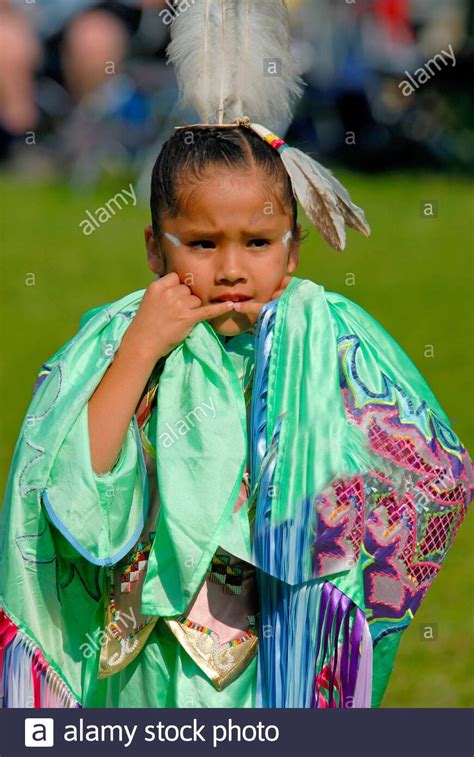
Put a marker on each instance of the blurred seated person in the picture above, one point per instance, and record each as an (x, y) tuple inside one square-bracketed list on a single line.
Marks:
[(78, 43)]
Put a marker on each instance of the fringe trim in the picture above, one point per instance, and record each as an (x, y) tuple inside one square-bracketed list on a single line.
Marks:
[(345, 680), (315, 648), (27, 680)]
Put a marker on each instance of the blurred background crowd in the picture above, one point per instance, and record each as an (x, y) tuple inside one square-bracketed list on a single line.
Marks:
[(88, 83)]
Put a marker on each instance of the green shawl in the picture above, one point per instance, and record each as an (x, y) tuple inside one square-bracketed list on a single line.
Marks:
[(359, 485)]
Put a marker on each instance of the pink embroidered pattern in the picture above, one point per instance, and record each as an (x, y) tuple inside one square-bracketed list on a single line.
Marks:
[(340, 521), (399, 520)]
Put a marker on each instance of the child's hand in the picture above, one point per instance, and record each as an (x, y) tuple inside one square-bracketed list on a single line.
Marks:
[(167, 314), (254, 308)]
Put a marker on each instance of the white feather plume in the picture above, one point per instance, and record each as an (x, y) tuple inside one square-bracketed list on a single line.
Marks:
[(223, 51)]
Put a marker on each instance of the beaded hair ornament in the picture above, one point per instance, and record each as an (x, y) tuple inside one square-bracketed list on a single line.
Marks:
[(235, 67)]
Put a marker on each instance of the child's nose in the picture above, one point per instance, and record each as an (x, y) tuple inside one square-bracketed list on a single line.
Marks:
[(231, 265)]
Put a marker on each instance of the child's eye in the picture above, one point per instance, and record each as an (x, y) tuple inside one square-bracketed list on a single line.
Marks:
[(259, 243), (206, 244)]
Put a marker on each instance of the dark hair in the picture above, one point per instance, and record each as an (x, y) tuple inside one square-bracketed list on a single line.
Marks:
[(193, 150)]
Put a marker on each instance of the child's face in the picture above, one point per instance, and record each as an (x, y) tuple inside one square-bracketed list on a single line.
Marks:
[(231, 237)]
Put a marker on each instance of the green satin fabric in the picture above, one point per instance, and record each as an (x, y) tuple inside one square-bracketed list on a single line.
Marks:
[(61, 524), (202, 433), (164, 675), (235, 537)]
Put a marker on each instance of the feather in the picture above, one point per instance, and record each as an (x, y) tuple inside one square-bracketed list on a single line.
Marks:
[(316, 197), (223, 52), (353, 215), (323, 198)]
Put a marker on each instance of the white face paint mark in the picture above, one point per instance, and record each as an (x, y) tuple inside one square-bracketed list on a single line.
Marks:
[(174, 240), (286, 238)]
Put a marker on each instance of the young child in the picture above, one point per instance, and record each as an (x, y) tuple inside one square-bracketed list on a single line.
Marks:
[(233, 488)]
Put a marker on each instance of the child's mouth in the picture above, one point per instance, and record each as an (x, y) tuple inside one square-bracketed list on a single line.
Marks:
[(231, 298)]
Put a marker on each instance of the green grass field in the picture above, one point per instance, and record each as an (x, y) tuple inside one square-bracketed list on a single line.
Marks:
[(414, 276)]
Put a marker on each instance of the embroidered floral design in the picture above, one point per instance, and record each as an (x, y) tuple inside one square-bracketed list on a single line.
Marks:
[(125, 649), (207, 642)]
